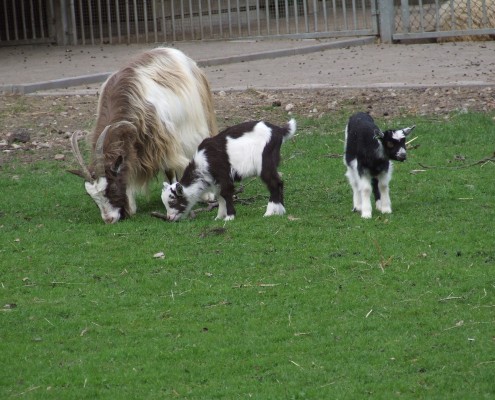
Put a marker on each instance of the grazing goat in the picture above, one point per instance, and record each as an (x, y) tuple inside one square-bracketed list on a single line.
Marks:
[(152, 115), (241, 151), (368, 152)]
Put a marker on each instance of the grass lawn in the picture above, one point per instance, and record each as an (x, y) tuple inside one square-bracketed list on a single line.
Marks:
[(318, 304)]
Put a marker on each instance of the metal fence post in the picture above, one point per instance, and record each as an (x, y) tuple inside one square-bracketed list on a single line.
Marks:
[(386, 14), (61, 22)]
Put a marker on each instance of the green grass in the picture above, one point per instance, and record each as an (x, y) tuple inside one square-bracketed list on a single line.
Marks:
[(318, 305)]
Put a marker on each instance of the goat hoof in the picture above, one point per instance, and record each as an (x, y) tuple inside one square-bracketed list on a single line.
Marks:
[(274, 209)]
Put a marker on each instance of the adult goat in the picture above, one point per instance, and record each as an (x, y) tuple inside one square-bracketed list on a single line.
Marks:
[(152, 115)]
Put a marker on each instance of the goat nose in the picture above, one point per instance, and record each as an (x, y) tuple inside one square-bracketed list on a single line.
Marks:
[(109, 220)]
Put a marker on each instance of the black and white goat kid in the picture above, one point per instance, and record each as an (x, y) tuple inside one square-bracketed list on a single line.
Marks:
[(368, 152), (241, 151)]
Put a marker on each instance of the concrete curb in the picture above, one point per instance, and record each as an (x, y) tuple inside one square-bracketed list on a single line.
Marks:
[(263, 55), (97, 78)]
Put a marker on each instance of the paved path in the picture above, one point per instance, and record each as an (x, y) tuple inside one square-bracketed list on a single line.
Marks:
[(238, 65)]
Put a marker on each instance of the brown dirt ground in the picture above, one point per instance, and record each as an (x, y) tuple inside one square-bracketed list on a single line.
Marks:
[(38, 127)]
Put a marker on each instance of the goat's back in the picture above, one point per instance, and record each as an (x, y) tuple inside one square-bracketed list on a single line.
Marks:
[(360, 138)]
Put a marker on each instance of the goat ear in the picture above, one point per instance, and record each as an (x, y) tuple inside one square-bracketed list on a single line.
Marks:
[(117, 165), (407, 131), (379, 134), (125, 131), (165, 185), (179, 190)]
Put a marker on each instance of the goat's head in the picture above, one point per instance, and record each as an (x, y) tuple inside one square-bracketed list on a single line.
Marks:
[(106, 178), (175, 201), (394, 142)]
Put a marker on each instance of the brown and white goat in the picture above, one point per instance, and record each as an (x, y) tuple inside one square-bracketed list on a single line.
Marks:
[(152, 115)]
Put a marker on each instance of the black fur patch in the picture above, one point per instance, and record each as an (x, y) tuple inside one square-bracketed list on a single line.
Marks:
[(370, 150), (177, 202)]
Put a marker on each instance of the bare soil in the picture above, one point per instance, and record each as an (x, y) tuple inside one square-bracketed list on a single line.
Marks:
[(37, 127)]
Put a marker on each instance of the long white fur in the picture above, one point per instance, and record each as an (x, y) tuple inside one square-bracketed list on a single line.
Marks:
[(176, 115)]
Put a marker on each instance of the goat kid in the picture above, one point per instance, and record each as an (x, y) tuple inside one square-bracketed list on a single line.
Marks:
[(241, 151), (152, 115), (368, 155)]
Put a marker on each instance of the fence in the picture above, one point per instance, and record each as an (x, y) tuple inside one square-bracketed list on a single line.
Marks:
[(417, 19), (171, 20), (25, 22), (147, 21)]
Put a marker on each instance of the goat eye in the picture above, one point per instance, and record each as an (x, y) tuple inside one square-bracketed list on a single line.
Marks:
[(390, 145)]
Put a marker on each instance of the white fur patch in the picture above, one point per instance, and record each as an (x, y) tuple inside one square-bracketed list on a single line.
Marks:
[(274, 209), (401, 152), (345, 142), (365, 190), (245, 153), (222, 208), (96, 190), (132, 201), (398, 135)]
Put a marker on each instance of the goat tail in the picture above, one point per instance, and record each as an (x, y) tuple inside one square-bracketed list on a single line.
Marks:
[(290, 127)]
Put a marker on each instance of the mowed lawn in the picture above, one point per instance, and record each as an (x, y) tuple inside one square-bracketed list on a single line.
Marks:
[(317, 304)]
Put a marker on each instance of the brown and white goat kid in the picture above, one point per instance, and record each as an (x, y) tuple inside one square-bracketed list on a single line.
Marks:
[(368, 155), (152, 115), (241, 151)]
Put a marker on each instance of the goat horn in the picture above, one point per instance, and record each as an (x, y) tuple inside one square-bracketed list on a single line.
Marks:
[(99, 155), (79, 158), (407, 131)]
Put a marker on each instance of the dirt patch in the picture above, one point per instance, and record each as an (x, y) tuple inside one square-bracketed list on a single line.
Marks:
[(36, 128)]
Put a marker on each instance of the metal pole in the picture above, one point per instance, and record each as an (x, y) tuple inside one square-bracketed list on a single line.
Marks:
[(386, 10)]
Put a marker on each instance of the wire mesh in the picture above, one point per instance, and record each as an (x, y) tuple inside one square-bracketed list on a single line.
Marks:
[(450, 15)]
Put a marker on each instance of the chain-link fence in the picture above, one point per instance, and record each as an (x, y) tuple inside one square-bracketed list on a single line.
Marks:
[(469, 19)]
